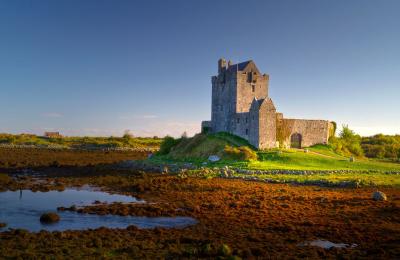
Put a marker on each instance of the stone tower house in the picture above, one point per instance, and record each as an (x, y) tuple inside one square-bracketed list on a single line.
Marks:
[(241, 106)]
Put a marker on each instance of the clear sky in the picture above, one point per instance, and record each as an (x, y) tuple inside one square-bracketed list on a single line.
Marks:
[(101, 67)]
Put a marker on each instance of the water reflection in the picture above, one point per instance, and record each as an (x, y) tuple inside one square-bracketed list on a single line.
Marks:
[(23, 208)]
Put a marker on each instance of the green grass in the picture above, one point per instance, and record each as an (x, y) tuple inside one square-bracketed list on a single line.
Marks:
[(298, 160), (232, 139), (325, 150)]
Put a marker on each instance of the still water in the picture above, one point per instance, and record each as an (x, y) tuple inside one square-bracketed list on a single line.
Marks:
[(22, 209)]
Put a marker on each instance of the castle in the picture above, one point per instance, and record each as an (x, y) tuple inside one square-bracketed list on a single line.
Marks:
[(241, 106)]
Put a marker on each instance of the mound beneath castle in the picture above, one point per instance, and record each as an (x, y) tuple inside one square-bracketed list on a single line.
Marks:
[(220, 145)]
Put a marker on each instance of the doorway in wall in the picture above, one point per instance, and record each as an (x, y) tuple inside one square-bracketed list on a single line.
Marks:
[(295, 141)]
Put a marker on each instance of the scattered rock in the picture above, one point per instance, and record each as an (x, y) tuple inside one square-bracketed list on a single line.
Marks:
[(352, 159), (306, 150), (214, 158), (165, 170), (224, 174), (225, 250), (379, 196), (49, 218)]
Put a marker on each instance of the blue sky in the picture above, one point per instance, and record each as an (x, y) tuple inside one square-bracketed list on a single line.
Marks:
[(101, 67)]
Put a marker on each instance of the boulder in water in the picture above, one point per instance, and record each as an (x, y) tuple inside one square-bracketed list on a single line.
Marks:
[(49, 217)]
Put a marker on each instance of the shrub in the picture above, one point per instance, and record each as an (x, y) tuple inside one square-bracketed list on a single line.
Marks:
[(168, 143), (348, 143), (381, 146), (225, 250), (242, 153), (333, 129)]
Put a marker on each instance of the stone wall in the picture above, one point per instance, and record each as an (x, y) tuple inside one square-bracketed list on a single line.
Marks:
[(312, 131), (267, 125), (223, 101), (240, 125)]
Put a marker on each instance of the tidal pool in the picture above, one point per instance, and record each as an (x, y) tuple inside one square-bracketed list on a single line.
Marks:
[(22, 209)]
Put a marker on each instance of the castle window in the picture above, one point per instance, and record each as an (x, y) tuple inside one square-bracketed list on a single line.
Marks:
[(222, 108), (246, 119), (247, 131), (249, 77), (238, 120), (253, 88)]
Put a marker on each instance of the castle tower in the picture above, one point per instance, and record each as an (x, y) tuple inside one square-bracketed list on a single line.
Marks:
[(233, 90)]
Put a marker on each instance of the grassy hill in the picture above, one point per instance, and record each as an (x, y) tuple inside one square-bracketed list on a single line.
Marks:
[(201, 146)]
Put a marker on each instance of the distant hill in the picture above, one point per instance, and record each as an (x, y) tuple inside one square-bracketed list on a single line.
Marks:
[(86, 143)]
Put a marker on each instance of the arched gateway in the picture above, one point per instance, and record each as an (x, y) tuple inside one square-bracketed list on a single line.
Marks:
[(295, 140)]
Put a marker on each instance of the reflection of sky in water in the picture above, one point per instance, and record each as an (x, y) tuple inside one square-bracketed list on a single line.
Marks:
[(23, 210)]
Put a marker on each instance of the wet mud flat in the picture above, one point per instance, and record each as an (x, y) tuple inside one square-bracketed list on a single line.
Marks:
[(235, 218)]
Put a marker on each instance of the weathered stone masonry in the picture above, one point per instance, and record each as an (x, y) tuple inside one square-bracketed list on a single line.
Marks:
[(241, 106)]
